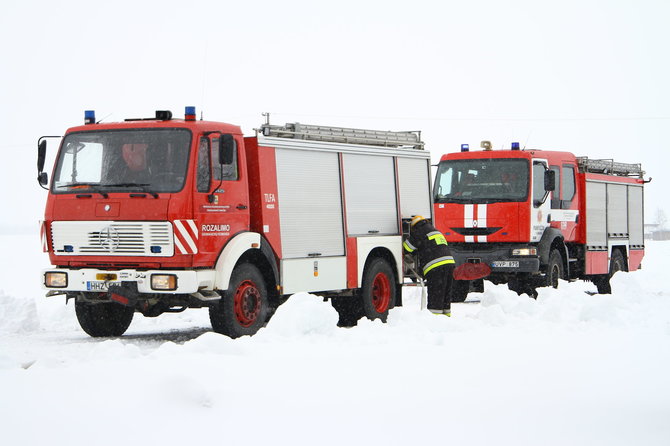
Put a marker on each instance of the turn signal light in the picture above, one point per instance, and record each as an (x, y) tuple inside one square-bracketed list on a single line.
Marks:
[(163, 282), (55, 280)]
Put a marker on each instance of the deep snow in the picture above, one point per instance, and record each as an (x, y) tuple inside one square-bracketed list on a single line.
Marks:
[(566, 369)]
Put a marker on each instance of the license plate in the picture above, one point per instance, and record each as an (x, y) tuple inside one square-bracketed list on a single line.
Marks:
[(94, 285), (505, 264)]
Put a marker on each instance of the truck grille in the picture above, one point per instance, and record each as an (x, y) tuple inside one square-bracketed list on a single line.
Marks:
[(112, 238)]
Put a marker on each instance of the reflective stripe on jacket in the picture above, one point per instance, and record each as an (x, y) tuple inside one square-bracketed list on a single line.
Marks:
[(431, 246)]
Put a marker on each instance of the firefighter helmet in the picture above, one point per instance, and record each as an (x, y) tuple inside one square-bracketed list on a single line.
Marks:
[(415, 220)]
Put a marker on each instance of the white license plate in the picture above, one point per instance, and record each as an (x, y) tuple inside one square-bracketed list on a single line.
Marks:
[(505, 264), (95, 285)]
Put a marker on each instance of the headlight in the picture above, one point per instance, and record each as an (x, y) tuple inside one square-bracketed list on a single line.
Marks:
[(524, 252), (164, 282), (55, 280)]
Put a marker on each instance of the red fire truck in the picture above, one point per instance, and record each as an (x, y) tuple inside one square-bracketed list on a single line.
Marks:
[(531, 217), (159, 215)]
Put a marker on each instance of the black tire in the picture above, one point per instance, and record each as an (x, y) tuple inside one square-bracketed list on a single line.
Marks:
[(378, 293), (243, 308), (555, 269), (459, 290), (349, 309), (523, 285), (103, 319), (617, 263)]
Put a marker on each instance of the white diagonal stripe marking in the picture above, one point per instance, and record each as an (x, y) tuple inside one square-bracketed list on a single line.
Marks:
[(187, 237)]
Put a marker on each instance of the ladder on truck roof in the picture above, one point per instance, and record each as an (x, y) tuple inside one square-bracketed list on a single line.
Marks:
[(609, 167), (409, 139)]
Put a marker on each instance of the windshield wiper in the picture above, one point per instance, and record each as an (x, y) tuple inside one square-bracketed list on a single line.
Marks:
[(496, 200), (143, 186), (95, 187), (455, 200)]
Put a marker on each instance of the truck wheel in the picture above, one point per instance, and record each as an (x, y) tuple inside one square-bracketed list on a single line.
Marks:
[(617, 263), (243, 308), (103, 319), (378, 290), (522, 285), (459, 290), (554, 269), (349, 309)]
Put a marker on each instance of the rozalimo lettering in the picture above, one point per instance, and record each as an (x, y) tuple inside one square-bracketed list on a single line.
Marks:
[(215, 228)]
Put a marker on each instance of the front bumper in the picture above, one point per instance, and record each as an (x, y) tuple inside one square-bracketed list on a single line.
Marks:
[(97, 280), (499, 258)]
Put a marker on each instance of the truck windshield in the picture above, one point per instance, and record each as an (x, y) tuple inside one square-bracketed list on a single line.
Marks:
[(140, 160), (482, 181)]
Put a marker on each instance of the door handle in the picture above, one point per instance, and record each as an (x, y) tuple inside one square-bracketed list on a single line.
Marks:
[(241, 207)]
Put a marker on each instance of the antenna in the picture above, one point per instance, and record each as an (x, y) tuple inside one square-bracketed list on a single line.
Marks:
[(527, 139), (204, 77), (102, 119)]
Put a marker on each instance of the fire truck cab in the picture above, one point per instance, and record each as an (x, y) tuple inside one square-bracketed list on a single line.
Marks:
[(537, 216), (159, 215)]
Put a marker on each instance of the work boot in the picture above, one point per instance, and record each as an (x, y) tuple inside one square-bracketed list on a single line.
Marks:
[(436, 311)]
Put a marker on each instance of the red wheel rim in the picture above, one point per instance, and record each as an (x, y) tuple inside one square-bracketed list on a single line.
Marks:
[(247, 303), (381, 293)]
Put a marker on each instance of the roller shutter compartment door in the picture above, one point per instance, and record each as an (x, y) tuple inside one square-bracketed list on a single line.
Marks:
[(414, 184), (596, 216), (636, 215), (370, 194), (310, 203), (617, 209)]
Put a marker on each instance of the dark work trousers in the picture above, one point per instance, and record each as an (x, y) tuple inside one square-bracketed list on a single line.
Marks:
[(439, 287)]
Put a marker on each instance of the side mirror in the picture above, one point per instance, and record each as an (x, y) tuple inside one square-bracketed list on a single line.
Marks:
[(43, 179), (41, 155), (549, 180), (226, 149)]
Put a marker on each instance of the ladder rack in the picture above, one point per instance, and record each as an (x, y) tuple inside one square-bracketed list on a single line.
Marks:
[(411, 139), (609, 167)]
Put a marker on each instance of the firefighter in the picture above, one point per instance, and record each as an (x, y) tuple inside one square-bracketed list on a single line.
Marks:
[(435, 261)]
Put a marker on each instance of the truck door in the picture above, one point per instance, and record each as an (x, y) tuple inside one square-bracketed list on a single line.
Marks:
[(221, 199), (564, 212), (541, 204)]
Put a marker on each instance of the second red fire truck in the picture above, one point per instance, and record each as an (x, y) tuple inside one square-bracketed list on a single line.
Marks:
[(531, 217), (158, 215)]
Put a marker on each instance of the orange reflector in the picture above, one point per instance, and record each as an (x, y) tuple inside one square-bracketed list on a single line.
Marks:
[(105, 277)]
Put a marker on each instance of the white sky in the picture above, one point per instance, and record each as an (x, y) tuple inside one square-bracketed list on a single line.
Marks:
[(586, 76)]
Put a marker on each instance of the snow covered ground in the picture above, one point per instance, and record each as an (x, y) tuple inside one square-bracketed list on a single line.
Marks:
[(565, 369)]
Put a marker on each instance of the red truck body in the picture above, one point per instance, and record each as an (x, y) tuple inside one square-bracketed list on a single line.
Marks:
[(158, 215), (494, 208)]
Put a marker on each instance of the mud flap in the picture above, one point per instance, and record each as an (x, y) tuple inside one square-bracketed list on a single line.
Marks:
[(471, 271), (126, 294)]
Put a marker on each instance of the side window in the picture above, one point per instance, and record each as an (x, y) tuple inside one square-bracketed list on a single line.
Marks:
[(538, 183), (568, 186), (204, 175), (227, 172), (555, 194)]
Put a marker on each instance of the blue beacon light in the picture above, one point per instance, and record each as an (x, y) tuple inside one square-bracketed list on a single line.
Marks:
[(515, 146), (465, 147), (89, 117), (189, 113)]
